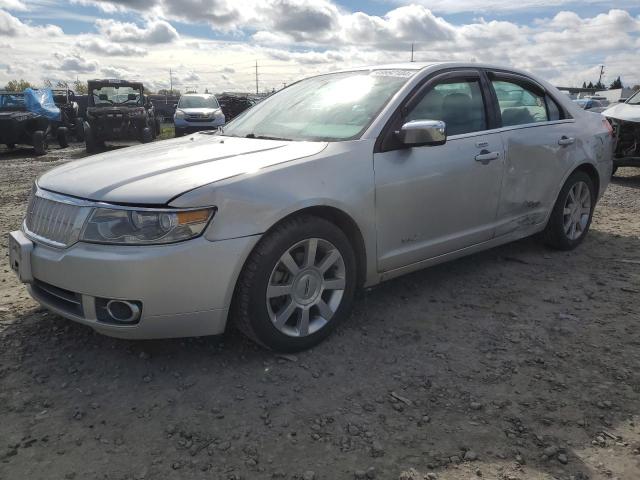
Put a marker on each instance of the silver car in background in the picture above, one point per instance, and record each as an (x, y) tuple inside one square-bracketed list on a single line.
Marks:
[(338, 181), (196, 112)]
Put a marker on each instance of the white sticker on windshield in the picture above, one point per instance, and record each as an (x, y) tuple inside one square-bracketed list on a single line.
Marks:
[(393, 73)]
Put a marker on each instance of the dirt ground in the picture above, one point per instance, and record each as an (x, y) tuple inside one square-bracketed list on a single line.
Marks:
[(516, 363)]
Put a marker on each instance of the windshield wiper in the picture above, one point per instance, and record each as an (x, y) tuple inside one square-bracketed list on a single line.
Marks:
[(266, 137)]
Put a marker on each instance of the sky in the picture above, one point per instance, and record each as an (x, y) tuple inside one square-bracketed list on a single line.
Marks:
[(215, 44)]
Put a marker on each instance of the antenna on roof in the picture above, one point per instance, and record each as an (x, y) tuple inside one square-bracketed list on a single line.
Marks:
[(412, 52)]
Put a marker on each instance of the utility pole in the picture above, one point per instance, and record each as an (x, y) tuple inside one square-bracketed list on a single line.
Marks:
[(412, 52), (256, 77), (170, 82), (284, 84), (601, 73)]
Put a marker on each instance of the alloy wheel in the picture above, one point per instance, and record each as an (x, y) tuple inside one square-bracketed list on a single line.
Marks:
[(306, 287), (577, 210)]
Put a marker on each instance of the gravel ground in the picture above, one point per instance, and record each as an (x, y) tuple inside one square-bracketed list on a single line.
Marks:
[(516, 363)]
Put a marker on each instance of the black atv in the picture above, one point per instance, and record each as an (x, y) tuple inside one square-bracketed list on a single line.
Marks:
[(19, 126), (118, 110), (65, 100)]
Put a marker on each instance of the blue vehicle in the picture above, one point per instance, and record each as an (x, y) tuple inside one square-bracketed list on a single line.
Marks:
[(197, 112)]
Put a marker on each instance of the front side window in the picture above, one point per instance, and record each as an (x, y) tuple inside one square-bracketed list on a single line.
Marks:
[(519, 105), (456, 102), (333, 107)]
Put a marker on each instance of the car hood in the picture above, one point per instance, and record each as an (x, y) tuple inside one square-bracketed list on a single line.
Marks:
[(624, 111), (155, 173)]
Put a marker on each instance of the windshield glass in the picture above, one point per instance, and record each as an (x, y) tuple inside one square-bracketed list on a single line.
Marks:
[(12, 101), (334, 107), (198, 101), (635, 99), (116, 95)]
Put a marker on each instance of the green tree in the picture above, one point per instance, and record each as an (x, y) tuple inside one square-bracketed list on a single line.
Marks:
[(617, 83), (584, 84), (17, 85), (80, 87), (590, 85)]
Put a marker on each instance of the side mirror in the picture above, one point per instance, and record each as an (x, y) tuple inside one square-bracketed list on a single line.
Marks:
[(175, 105), (422, 132)]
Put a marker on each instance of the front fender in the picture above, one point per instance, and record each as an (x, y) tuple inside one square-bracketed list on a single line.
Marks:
[(341, 177)]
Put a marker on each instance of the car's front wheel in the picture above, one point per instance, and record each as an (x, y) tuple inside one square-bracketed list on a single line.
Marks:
[(571, 216), (297, 285)]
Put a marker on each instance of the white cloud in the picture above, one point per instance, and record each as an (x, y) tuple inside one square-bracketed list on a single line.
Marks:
[(13, 5), (483, 6), (295, 38), (110, 49), (70, 63), (154, 32)]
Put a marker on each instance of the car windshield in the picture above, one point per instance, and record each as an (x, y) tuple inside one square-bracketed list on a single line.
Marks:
[(198, 101), (116, 95), (333, 107), (635, 99), (12, 101)]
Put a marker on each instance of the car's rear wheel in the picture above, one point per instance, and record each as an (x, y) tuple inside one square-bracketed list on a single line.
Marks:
[(39, 142), (62, 137), (147, 135), (571, 216), (79, 129), (89, 140), (297, 285)]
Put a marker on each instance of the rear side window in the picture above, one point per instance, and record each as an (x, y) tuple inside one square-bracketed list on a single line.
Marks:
[(457, 102), (519, 105)]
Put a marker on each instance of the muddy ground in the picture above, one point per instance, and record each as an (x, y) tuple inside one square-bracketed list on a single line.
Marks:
[(516, 363)]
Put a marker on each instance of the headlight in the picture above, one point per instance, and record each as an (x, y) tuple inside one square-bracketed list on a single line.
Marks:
[(179, 114), (149, 226)]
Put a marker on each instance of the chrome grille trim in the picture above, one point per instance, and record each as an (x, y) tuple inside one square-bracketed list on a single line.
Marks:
[(54, 219)]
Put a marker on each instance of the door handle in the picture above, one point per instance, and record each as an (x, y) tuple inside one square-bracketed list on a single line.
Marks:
[(485, 156), (566, 140)]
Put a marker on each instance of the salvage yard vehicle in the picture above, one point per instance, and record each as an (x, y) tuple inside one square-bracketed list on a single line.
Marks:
[(24, 119), (336, 182), (625, 119), (196, 112), (118, 110), (70, 118)]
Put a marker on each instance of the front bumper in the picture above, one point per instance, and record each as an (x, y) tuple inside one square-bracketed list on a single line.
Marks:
[(185, 288), (191, 125)]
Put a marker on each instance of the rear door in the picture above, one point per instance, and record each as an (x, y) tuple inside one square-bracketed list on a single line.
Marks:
[(540, 143), (432, 200)]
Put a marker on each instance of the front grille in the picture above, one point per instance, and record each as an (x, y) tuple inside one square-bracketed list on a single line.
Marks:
[(65, 300), (54, 222)]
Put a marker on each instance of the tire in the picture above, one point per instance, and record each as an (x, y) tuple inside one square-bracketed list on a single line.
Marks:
[(147, 135), (178, 132), (39, 142), (90, 143), (259, 317), (79, 129), (62, 137), (613, 171), (557, 234)]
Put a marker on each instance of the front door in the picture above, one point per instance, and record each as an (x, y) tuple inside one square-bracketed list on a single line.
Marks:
[(433, 200)]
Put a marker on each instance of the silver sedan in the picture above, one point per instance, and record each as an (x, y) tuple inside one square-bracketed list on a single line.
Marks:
[(336, 182)]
